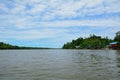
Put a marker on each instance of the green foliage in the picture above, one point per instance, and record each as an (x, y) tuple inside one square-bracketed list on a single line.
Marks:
[(92, 42), (117, 39), (7, 46)]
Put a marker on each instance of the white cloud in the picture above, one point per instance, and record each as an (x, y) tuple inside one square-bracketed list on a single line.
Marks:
[(69, 9), (75, 23), (93, 3), (114, 7), (37, 9), (29, 22), (3, 7), (18, 9), (50, 9)]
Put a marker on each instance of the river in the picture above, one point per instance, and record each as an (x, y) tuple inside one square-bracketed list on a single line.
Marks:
[(59, 64)]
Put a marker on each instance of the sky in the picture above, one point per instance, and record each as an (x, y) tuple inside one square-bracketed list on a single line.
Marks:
[(52, 23)]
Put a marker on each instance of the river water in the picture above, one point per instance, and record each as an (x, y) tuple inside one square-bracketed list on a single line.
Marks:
[(58, 64)]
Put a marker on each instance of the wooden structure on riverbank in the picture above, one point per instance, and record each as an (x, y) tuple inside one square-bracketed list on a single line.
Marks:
[(113, 45)]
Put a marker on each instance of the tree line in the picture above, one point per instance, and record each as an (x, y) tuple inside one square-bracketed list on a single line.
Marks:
[(92, 42), (8, 46)]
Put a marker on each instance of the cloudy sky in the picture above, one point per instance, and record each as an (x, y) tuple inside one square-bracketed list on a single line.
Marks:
[(51, 23)]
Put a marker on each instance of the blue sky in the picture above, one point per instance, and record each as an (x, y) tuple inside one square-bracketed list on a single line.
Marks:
[(51, 23)]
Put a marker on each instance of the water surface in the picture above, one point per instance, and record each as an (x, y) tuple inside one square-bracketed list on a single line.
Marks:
[(59, 64)]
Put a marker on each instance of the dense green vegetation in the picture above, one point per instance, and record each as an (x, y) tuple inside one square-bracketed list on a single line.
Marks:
[(117, 39), (92, 42), (8, 46)]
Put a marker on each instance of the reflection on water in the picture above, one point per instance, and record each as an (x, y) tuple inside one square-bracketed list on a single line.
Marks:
[(59, 65), (118, 59)]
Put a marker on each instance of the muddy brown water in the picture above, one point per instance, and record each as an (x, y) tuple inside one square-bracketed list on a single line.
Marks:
[(59, 64)]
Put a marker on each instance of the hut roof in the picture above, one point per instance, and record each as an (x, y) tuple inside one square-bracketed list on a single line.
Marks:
[(113, 42)]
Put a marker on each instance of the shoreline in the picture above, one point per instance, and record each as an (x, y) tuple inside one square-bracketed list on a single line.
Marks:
[(55, 49)]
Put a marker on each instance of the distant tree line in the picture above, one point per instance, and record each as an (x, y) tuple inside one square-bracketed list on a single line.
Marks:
[(8, 46), (92, 42)]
